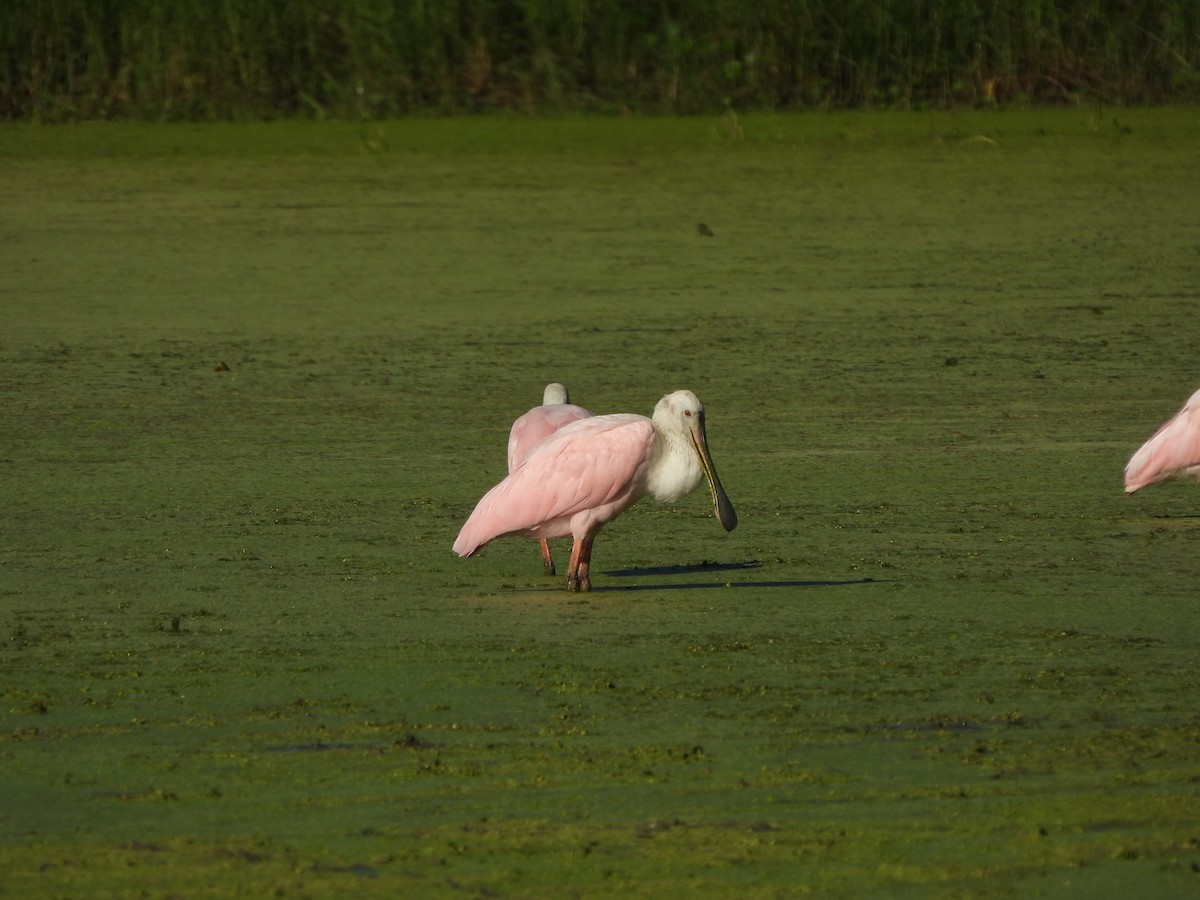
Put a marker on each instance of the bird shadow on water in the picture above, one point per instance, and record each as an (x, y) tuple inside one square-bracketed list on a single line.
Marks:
[(706, 566), (702, 566)]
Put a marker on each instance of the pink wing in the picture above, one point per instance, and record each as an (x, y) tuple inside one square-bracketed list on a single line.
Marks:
[(595, 464), (1174, 450), (537, 425)]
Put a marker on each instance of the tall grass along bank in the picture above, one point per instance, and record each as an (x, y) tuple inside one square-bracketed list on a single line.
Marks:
[(66, 60)]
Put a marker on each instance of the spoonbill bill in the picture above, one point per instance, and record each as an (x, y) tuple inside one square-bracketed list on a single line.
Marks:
[(533, 428), (1172, 452), (589, 472)]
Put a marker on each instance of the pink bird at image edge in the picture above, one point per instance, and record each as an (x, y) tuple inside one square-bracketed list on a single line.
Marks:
[(1172, 452)]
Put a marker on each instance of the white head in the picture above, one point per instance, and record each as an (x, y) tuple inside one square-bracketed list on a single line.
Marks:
[(555, 394), (678, 407), (679, 420)]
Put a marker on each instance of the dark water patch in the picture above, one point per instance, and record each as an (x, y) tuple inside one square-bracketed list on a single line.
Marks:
[(149, 793), (363, 870), (412, 742), (239, 853), (952, 725), (409, 742)]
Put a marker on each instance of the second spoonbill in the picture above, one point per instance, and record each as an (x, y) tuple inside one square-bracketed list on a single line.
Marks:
[(534, 427)]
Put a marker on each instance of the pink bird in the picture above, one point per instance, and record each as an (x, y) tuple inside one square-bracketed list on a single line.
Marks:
[(1173, 451), (588, 472), (533, 428)]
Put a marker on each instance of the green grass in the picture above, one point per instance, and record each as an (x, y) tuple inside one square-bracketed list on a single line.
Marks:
[(255, 377)]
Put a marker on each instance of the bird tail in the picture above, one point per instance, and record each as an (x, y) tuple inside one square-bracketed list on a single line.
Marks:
[(1171, 452), (466, 544), (473, 536)]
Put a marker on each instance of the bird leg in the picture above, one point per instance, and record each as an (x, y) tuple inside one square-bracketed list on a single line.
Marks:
[(581, 561), (547, 559)]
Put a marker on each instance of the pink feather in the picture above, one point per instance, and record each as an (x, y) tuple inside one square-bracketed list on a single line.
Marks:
[(537, 425), (1172, 452), (583, 475)]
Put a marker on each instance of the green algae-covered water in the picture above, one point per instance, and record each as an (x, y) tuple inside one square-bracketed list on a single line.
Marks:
[(254, 377)]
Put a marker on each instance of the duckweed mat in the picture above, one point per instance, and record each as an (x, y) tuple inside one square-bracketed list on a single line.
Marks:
[(254, 377)]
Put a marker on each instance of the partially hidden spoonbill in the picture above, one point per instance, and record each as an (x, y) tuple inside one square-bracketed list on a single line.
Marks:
[(1172, 452), (588, 472), (533, 428)]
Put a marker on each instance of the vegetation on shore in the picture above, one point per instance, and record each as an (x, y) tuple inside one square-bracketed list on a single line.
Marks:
[(250, 59)]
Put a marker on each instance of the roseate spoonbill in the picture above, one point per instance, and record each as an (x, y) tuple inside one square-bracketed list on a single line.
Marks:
[(1172, 452), (533, 428), (589, 472)]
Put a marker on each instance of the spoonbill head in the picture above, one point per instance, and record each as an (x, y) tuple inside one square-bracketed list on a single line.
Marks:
[(590, 471), (1171, 452), (534, 427), (683, 457)]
